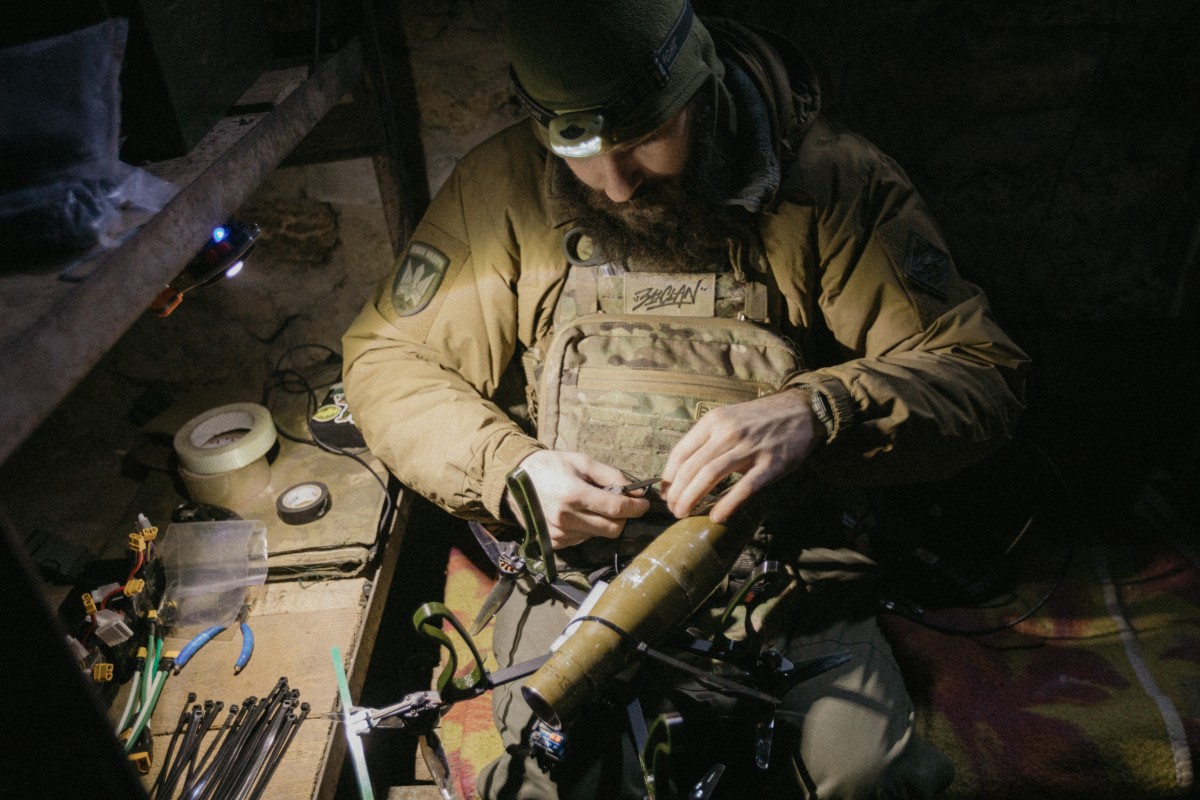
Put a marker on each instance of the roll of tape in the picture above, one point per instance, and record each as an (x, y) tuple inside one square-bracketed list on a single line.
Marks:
[(231, 489), (303, 503), (225, 438)]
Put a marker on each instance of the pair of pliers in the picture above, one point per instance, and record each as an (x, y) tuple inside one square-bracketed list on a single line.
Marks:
[(533, 557), (208, 634)]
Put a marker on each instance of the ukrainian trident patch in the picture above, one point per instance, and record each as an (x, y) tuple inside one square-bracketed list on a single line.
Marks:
[(418, 278)]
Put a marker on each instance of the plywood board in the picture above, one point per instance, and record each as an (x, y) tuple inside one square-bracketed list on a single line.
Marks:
[(295, 626)]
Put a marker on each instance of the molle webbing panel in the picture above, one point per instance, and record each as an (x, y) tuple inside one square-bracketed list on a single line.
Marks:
[(625, 388), (589, 290)]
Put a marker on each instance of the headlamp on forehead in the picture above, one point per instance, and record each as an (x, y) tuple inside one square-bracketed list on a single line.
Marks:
[(587, 132)]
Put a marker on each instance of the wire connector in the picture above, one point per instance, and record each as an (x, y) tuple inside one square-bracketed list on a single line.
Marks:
[(148, 532), (78, 651), (134, 586), (141, 755), (168, 660), (111, 627), (102, 672), (89, 603), (137, 543)]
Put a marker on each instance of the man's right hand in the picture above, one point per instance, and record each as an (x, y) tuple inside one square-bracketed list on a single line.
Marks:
[(570, 490)]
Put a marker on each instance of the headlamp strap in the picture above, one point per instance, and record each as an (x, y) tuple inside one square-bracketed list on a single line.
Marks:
[(650, 78)]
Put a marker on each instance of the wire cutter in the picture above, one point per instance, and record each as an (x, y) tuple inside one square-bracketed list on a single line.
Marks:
[(533, 557)]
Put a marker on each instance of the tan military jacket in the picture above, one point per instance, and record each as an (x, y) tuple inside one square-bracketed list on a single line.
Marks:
[(921, 379)]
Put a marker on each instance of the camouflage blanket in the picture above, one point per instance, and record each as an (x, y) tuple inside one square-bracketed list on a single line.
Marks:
[(1097, 695)]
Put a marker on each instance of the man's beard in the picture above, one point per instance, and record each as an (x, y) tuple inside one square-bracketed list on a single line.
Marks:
[(679, 224)]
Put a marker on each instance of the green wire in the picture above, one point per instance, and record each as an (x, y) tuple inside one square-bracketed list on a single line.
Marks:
[(134, 693), (148, 668), (144, 715)]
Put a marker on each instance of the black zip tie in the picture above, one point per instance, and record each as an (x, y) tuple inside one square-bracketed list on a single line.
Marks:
[(250, 729), (257, 776), (205, 782), (248, 746), (183, 713), (210, 713), (264, 746), (192, 736), (171, 767), (278, 757), (248, 751), (212, 746)]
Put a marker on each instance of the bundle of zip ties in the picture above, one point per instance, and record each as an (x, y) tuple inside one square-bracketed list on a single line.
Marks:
[(240, 757)]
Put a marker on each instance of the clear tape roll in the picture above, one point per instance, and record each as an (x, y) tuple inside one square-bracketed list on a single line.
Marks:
[(225, 438), (231, 489)]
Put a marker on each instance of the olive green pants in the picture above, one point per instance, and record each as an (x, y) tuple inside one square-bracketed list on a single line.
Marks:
[(847, 733)]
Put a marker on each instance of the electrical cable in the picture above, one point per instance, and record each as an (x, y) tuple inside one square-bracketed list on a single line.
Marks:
[(160, 680), (138, 564), (127, 713), (293, 381), (148, 665), (111, 594), (893, 607)]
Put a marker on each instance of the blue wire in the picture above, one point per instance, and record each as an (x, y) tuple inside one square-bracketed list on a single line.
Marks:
[(198, 641), (247, 649)]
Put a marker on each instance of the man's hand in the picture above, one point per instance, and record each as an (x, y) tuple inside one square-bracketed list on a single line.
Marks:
[(762, 439), (576, 508)]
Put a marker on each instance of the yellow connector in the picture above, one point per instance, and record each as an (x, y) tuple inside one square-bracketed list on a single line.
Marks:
[(149, 534), (102, 672), (89, 603), (151, 614), (136, 542), (141, 761), (134, 586)]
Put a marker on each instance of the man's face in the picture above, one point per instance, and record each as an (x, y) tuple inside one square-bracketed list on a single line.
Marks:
[(659, 156), (656, 203)]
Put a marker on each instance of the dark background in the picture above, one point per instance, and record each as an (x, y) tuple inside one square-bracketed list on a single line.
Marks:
[(1056, 141)]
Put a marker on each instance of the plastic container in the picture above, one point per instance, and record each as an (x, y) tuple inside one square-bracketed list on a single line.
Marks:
[(208, 567)]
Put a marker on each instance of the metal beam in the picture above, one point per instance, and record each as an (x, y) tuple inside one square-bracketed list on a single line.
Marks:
[(40, 365)]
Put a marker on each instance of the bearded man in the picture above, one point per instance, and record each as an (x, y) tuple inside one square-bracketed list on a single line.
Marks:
[(685, 272)]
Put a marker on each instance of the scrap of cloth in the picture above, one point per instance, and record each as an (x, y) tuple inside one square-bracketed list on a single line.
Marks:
[(1095, 696)]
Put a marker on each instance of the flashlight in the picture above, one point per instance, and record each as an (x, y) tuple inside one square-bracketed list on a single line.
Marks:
[(223, 256)]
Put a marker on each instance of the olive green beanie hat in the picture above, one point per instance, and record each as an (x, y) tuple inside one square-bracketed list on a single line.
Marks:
[(617, 68)]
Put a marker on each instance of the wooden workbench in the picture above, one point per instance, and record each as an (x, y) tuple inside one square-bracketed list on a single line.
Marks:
[(295, 626), (297, 616)]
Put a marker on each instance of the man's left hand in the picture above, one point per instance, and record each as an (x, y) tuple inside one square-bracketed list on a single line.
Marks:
[(762, 439)]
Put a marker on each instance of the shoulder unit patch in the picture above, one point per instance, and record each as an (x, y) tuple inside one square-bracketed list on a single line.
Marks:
[(418, 278), (927, 266)]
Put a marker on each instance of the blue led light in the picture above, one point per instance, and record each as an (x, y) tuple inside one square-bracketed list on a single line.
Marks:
[(219, 234)]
